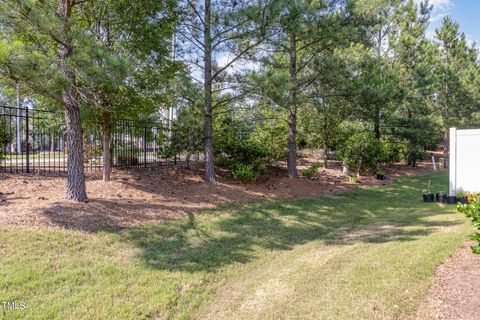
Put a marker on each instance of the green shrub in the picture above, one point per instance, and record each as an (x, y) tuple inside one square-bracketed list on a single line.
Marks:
[(5, 138), (235, 148), (414, 153), (245, 172), (392, 151), (361, 152), (310, 171), (472, 210)]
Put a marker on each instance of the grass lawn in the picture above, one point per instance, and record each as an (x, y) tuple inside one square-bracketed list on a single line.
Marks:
[(369, 254)]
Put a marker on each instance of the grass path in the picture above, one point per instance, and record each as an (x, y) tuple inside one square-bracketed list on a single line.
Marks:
[(369, 254)]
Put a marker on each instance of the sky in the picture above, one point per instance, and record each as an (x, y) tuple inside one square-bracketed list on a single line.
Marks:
[(465, 12)]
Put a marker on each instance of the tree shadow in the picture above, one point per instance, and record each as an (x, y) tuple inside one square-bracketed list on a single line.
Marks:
[(209, 240), (207, 243)]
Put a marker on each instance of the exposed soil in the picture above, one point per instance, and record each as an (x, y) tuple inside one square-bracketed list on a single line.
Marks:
[(153, 194), (456, 291)]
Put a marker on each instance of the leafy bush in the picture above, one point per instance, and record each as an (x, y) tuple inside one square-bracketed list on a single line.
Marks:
[(5, 138), (272, 137), (310, 171), (392, 151), (235, 149), (414, 153), (245, 172), (361, 152), (472, 210), (186, 135)]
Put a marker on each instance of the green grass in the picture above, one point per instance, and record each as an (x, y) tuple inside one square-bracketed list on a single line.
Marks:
[(369, 254)]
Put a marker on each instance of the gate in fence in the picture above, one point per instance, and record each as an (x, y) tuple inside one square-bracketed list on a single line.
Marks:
[(38, 143)]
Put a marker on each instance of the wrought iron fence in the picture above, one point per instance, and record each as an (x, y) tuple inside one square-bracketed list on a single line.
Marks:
[(37, 143)]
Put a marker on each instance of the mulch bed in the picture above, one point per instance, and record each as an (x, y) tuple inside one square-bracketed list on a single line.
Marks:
[(456, 290), (153, 194)]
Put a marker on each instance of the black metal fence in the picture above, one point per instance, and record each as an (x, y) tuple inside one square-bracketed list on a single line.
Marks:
[(37, 143)]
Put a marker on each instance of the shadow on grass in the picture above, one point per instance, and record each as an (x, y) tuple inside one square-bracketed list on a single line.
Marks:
[(224, 236)]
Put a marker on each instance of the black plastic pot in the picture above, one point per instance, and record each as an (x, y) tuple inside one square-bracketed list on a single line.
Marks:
[(450, 199), (428, 197), (439, 197), (462, 200), (381, 177)]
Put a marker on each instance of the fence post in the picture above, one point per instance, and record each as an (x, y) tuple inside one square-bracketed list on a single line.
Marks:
[(27, 139), (452, 163), (145, 145)]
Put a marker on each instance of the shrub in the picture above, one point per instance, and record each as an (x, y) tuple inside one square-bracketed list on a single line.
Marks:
[(361, 152), (472, 210), (310, 171), (415, 153), (127, 160), (5, 138), (245, 172), (392, 151)]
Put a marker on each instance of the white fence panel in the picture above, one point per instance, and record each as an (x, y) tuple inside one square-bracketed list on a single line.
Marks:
[(464, 160)]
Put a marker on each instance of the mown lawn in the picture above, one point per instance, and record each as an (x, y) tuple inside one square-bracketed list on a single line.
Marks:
[(369, 254)]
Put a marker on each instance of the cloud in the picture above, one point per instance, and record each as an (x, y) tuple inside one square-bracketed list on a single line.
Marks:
[(438, 3)]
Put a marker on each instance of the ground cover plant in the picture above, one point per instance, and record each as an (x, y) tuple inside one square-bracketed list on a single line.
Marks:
[(286, 258)]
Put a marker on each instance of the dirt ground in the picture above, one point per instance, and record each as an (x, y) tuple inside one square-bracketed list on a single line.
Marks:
[(153, 194), (456, 290)]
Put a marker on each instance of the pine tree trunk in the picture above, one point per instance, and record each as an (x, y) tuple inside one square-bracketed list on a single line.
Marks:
[(75, 170), (445, 149), (376, 124), (107, 151), (292, 112), (208, 109), (325, 154)]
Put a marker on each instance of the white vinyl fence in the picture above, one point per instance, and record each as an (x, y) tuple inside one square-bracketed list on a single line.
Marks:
[(464, 160)]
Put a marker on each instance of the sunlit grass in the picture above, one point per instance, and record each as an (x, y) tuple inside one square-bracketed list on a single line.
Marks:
[(368, 254)]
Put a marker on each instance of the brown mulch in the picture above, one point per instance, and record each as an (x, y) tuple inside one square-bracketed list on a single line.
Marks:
[(153, 194), (456, 290)]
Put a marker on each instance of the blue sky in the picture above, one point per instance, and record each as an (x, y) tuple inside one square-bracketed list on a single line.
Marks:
[(465, 12)]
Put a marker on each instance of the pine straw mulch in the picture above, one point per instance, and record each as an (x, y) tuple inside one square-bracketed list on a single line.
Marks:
[(154, 194), (456, 289)]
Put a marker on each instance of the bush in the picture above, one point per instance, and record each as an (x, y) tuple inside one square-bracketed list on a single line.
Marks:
[(472, 210), (5, 138), (310, 171), (236, 150), (361, 153), (392, 151), (414, 153), (245, 172), (127, 160)]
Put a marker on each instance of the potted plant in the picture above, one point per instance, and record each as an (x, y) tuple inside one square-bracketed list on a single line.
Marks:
[(439, 196), (428, 196), (461, 196), (381, 175), (449, 199)]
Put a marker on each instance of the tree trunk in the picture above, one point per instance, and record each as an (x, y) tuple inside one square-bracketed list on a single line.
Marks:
[(107, 154), (376, 124), (446, 148), (325, 154), (75, 171), (292, 112), (208, 110)]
